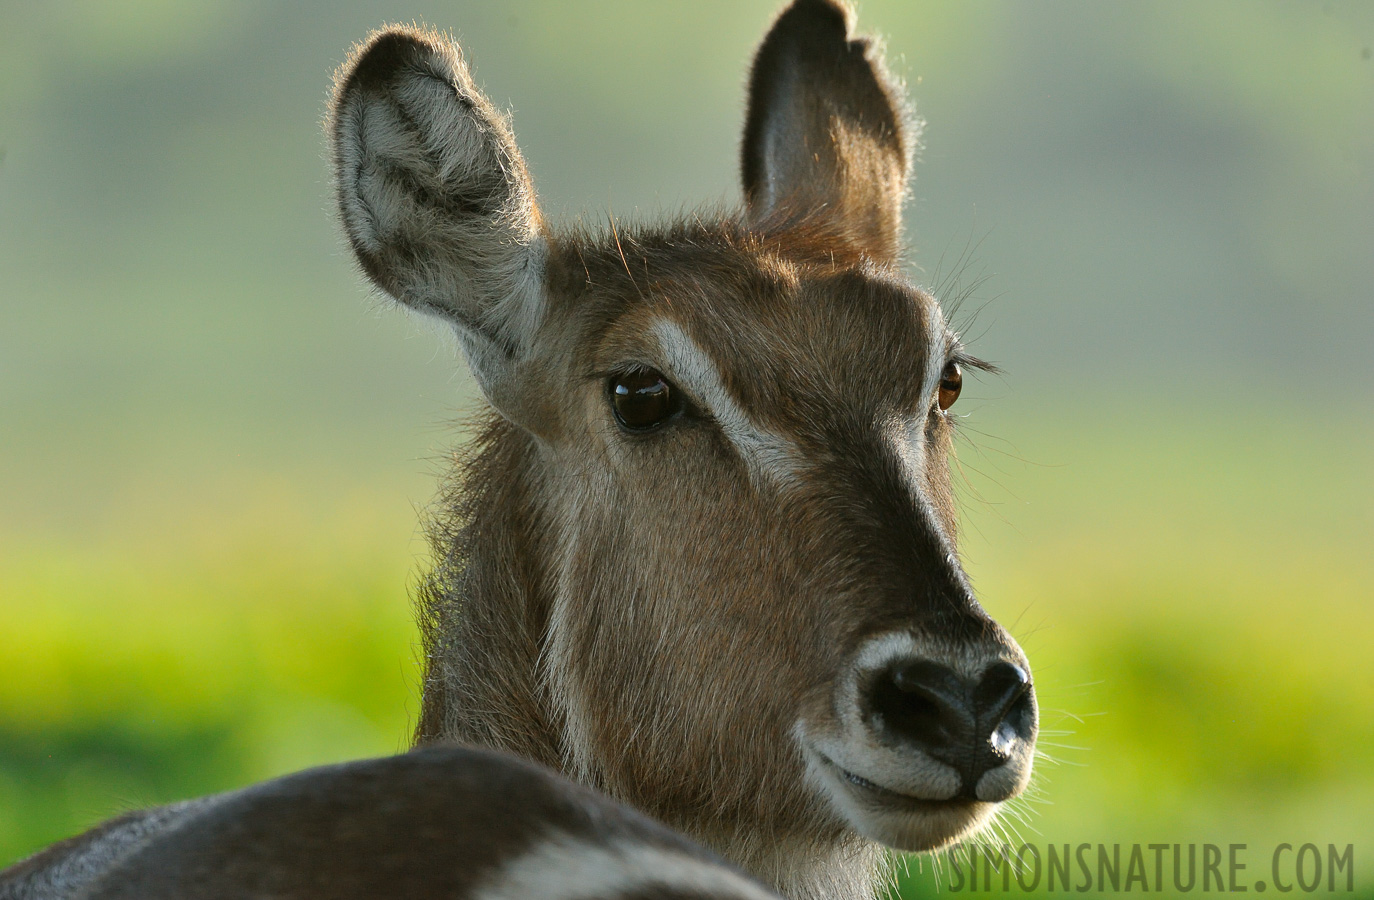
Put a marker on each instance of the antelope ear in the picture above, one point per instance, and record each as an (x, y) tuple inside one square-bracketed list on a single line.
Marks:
[(824, 142), (436, 200)]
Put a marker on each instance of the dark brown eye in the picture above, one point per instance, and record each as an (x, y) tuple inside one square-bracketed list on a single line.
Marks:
[(951, 382), (642, 399)]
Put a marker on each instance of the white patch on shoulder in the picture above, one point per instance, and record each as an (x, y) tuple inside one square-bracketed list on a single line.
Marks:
[(768, 455), (562, 868)]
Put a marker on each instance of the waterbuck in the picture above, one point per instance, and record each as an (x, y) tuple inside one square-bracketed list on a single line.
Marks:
[(701, 554)]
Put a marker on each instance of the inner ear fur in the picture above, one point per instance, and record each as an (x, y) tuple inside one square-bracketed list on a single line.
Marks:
[(827, 145), (434, 196)]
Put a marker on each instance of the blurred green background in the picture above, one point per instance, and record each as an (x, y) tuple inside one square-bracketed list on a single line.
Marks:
[(214, 442)]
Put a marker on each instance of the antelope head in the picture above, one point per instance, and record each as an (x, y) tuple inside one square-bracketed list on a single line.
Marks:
[(706, 558)]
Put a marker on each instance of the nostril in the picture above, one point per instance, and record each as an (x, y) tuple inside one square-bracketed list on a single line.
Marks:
[(1001, 686), (931, 680), (1005, 705), (972, 724), (924, 703)]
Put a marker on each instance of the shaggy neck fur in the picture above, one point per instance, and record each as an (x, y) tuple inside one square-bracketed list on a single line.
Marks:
[(484, 618)]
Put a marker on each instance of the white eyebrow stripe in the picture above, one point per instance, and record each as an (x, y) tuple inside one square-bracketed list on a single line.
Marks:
[(908, 433), (937, 337), (767, 454), (911, 431)]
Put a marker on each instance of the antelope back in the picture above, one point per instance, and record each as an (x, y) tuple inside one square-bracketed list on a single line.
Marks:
[(703, 554), (439, 823)]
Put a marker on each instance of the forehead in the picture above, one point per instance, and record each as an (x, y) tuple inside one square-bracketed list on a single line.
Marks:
[(786, 337)]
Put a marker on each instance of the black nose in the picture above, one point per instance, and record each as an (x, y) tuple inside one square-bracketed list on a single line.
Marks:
[(971, 724)]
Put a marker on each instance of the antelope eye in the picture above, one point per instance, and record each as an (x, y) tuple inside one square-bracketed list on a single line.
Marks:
[(951, 382), (642, 399)]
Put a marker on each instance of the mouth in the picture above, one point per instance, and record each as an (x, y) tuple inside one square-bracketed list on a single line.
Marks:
[(886, 795), (893, 817)]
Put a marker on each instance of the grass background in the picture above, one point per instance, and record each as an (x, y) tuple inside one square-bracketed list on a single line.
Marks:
[(213, 444)]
